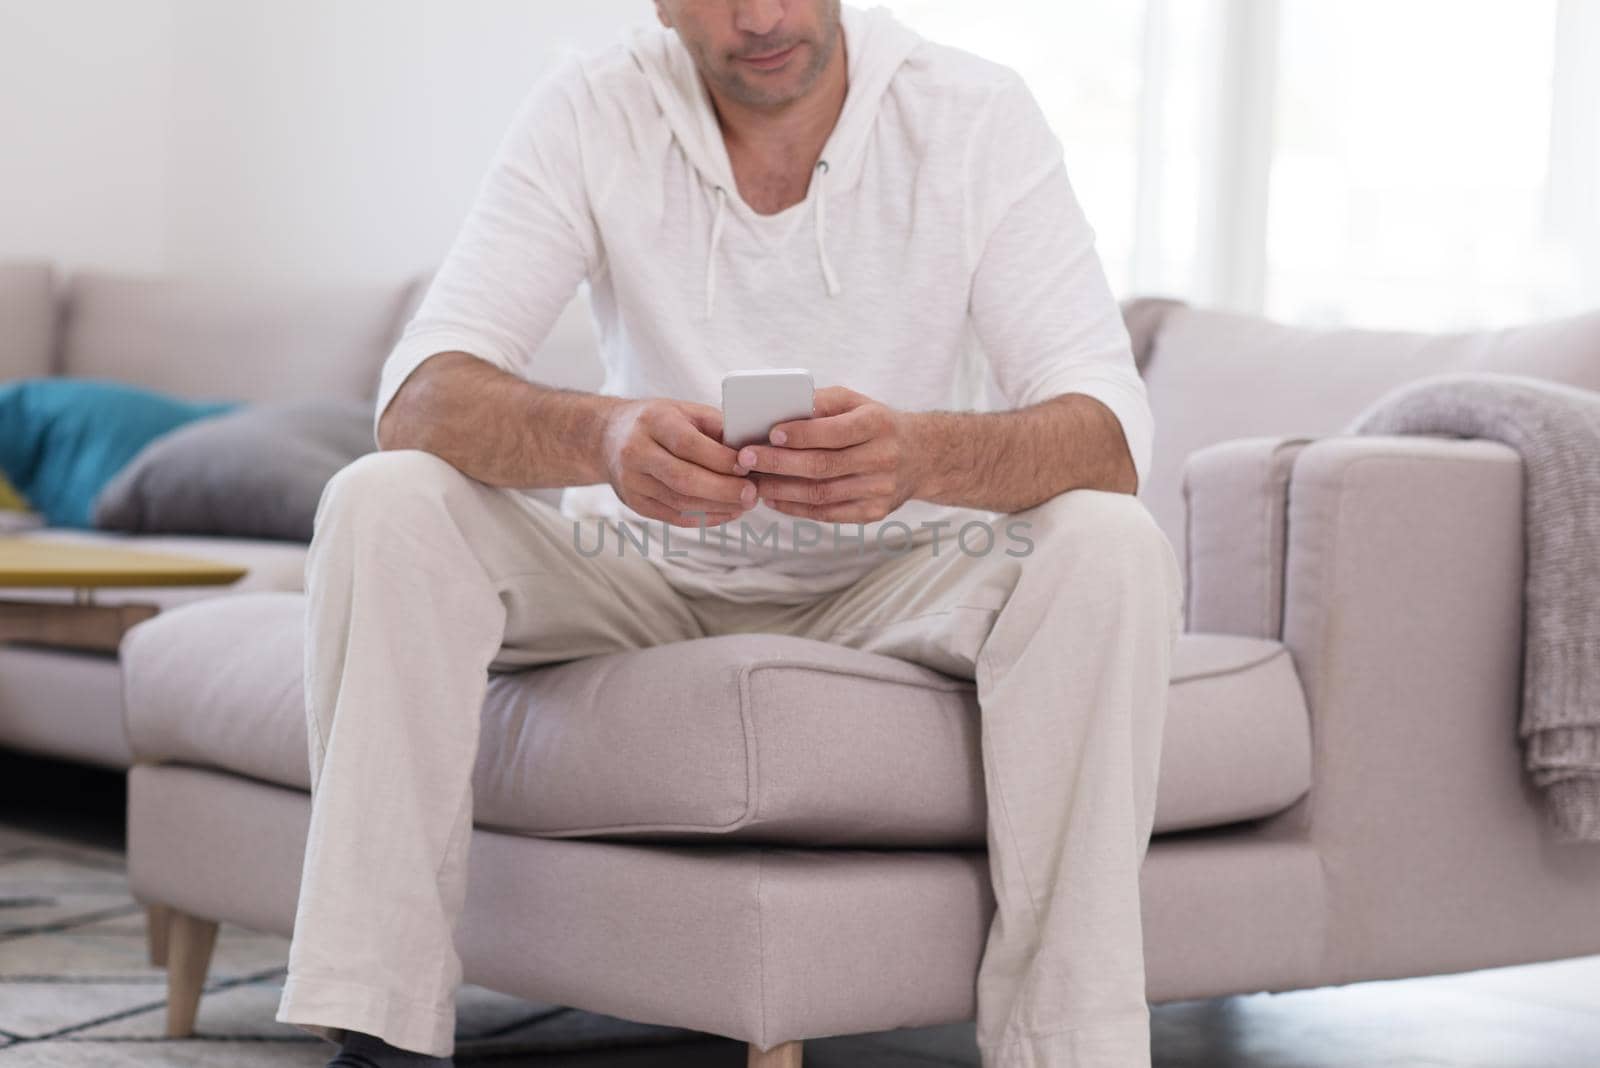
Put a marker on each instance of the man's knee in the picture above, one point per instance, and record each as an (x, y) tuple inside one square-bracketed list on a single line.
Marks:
[(1117, 533), (1112, 524), (383, 483)]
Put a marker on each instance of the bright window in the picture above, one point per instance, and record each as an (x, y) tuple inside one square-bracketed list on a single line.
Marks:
[(1408, 174), (1431, 164)]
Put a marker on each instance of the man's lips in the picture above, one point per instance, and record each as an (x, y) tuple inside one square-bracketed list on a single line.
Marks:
[(770, 61)]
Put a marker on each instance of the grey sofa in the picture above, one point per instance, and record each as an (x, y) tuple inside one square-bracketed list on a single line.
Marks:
[(202, 338), (198, 338), (1341, 796)]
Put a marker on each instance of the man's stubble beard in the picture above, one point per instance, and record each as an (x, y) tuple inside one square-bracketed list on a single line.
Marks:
[(733, 84)]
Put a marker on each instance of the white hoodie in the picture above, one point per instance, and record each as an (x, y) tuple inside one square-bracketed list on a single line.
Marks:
[(939, 260)]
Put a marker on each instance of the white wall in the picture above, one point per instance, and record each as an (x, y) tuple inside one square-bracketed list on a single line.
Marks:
[(85, 90), (318, 138)]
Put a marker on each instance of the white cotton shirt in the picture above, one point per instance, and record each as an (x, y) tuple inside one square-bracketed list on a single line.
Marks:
[(940, 260)]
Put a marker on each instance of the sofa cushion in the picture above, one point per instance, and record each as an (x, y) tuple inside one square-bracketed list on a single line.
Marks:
[(250, 341), (62, 440), (255, 473), (27, 320), (1215, 376), (751, 736)]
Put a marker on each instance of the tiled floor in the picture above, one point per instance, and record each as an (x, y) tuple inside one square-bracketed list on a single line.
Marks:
[(1538, 1016)]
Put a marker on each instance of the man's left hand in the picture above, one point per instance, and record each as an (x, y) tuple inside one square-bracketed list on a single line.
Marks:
[(853, 461)]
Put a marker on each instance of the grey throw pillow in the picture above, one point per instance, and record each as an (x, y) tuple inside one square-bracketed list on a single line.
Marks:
[(256, 473)]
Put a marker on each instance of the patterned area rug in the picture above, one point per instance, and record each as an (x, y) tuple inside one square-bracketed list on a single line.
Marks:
[(77, 987)]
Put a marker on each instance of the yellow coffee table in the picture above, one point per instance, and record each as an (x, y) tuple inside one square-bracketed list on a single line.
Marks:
[(82, 623)]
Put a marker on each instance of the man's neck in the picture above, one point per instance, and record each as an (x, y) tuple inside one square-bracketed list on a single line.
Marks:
[(792, 133)]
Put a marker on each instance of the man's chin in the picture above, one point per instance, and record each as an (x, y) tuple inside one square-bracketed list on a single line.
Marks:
[(777, 88)]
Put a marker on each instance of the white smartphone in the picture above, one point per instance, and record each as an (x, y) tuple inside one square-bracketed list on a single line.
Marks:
[(753, 401)]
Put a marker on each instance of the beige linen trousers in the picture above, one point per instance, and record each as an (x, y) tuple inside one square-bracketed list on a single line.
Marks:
[(421, 581)]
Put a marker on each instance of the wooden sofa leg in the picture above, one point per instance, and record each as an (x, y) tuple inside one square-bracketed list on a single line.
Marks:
[(784, 1056), (189, 944), (156, 920)]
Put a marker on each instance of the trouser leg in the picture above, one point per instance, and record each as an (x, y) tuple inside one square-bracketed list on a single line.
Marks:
[(1070, 646), (420, 581)]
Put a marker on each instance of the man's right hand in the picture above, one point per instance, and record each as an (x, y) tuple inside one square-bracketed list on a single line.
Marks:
[(666, 460)]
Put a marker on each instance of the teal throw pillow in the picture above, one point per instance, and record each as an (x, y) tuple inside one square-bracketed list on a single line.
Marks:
[(63, 439)]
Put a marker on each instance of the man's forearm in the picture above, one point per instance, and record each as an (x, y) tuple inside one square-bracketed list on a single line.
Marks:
[(496, 427), (1008, 461)]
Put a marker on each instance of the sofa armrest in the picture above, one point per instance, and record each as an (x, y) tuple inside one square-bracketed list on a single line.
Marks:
[(1403, 612), (1235, 495)]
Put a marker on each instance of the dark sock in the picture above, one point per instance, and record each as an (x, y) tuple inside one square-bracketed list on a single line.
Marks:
[(365, 1051)]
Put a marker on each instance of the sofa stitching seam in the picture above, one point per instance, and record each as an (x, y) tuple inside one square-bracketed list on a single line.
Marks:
[(1188, 554), (1263, 477), (761, 949), (752, 750), (752, 737)]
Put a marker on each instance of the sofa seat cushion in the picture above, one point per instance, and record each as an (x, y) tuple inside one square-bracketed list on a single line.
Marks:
[(756, 737), (273, 565)]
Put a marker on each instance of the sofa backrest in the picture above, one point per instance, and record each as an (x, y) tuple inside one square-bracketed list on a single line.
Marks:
[(1212, 376), (1215, 376), (230, 340), (27, 320)]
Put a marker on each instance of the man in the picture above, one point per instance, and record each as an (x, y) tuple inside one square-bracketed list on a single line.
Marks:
[(757, 183)]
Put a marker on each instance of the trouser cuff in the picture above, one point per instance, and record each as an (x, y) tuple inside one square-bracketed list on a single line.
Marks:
[(328, 1008), (1122, 1043)]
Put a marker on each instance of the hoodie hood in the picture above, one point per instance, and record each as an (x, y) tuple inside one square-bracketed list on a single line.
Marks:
[(876, 46)]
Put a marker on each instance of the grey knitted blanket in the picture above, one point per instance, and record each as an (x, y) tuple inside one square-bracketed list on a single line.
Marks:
[(1556, 429)]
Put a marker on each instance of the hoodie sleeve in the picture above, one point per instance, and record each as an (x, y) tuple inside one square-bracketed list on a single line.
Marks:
[(1041, 306), (528, 240)]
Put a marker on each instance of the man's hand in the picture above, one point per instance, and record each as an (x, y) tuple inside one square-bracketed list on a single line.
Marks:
[(666, 460), (852, 462), (856, 460)]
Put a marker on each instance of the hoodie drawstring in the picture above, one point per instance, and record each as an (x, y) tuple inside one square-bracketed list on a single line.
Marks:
[(711, 257), (830, 279), (828, 276)]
